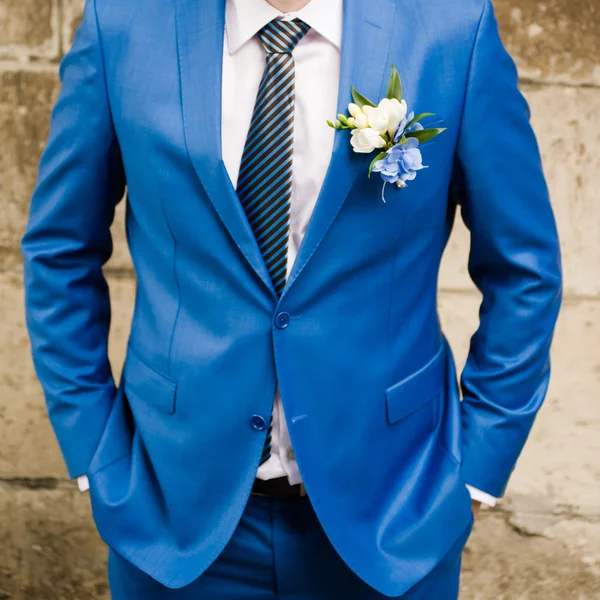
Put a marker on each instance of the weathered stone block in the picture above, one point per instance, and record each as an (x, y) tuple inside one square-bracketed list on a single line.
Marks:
[(72, 11), (26, 97), (567, 123), (25, 100), (28, 447), (502, 563), (554, 40), (29, 28), (50, 549)]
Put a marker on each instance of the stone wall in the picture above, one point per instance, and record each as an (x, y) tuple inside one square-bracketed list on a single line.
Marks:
[(543, 541)]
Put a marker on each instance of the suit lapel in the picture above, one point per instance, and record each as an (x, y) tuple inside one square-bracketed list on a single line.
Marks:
[(367, 36), (200, 37)]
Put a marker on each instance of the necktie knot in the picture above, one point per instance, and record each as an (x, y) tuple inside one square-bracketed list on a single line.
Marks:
[(281, 37)]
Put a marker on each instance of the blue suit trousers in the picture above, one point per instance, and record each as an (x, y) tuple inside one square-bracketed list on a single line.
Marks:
[(279, 550)]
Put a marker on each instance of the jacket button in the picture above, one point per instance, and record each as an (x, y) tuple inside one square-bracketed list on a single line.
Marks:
[(282, 320), (258, 423)]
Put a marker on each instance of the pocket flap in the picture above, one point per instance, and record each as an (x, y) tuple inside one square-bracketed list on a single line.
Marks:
[(410, 394), (144, 384)]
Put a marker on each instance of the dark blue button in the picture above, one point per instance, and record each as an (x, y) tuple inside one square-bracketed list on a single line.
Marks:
[(258, 423), (282, 320)]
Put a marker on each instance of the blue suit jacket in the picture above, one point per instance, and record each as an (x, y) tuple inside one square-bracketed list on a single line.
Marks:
[(367, 380)]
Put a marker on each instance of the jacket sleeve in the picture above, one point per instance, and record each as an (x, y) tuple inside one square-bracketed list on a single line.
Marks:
[(66, 244), (514, 261)]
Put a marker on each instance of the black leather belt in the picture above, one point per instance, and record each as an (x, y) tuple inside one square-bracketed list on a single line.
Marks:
[(279, 489)]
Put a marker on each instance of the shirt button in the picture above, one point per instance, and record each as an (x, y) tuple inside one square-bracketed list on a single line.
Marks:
[(282, 320), (291, 455), (257, 422)]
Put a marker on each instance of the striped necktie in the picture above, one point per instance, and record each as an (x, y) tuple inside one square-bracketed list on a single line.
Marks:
[(265, 181)]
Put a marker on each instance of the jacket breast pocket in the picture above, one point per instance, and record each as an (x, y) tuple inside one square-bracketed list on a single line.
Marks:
[(145, 386), (418, 392)]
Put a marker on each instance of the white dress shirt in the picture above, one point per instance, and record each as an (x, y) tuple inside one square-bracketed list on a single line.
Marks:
[(317, 57)]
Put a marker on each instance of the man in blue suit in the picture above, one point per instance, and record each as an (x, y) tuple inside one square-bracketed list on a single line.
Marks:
[(288, 423)]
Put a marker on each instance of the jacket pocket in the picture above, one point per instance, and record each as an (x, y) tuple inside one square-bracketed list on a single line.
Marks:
[(409, 395), (143, 384)]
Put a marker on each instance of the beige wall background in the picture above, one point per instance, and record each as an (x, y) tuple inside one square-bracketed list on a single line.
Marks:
[(543, 540)]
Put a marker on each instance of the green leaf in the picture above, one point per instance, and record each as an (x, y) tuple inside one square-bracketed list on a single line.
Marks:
[(380, 156), (395, 86), (359, 99), (425, 134), (418, 118)]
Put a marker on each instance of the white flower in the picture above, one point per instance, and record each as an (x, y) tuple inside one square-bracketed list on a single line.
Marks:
[(364, 141), (387, 116), (358, 118)]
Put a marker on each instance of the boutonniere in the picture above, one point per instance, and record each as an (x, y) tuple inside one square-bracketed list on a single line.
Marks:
[(389, 128)]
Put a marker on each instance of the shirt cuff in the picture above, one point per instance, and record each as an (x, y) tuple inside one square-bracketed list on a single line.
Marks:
[(480, 496), (83, 483)]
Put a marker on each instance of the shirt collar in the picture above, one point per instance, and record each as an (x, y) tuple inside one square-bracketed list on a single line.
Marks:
[(245, 18)]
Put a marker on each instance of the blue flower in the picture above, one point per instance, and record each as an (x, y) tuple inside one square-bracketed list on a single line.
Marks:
[(402, 127), (401, 163)]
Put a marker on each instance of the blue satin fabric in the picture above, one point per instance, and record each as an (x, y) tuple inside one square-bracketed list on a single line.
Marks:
[(367, 380), (280, 551)]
